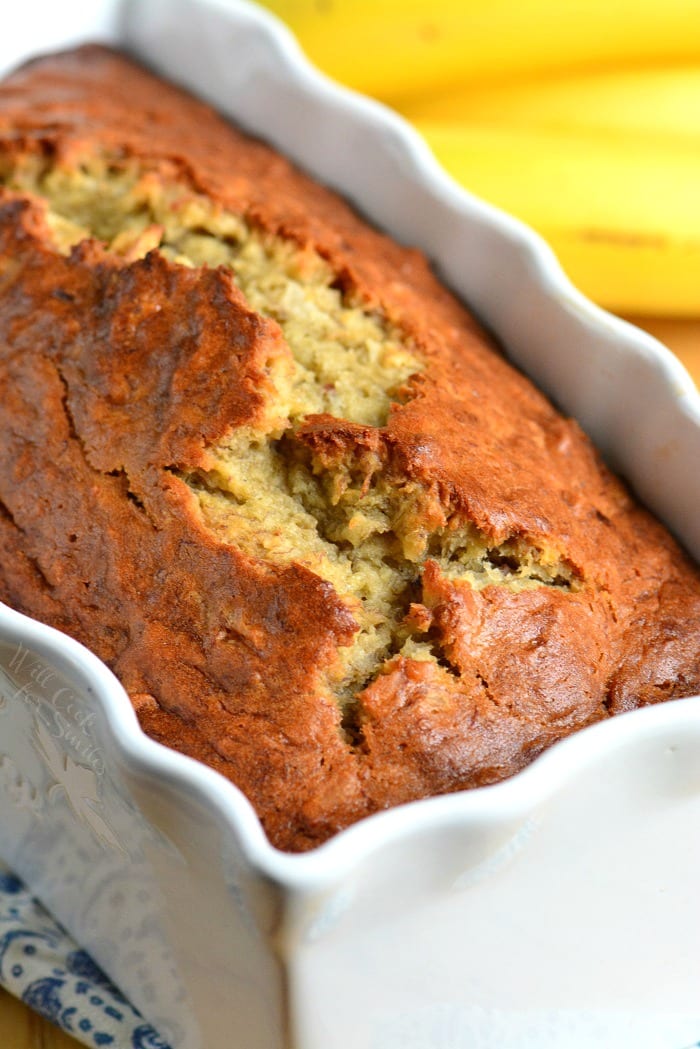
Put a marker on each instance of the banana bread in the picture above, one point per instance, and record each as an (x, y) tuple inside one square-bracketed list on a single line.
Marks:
[(257, 459)]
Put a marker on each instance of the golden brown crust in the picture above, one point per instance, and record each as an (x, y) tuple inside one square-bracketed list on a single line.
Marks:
[(117, 376)]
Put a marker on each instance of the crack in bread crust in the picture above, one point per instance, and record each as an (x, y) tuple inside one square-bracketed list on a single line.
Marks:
[(363, 526), (347, 360)]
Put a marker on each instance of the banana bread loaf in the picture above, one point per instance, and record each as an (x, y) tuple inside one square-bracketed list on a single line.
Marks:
[(268, 469)]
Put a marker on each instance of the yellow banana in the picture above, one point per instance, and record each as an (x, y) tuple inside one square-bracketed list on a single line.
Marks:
[(660, 102), (391, 47), (621, 212)]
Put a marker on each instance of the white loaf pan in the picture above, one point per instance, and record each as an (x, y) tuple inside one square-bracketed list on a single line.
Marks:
[(558, 909)]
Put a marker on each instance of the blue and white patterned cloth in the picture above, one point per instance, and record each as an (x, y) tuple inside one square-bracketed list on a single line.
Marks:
[(43, 966)]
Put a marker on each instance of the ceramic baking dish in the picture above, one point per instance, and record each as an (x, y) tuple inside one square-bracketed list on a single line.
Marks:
[(559, 908)]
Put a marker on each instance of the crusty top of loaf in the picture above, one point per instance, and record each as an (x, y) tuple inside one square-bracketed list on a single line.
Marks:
[(276, 476)]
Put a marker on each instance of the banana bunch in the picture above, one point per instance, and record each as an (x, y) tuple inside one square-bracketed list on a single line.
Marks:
[(606, 167), (580, 117)]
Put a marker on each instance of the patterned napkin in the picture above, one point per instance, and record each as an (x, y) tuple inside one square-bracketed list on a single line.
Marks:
[(43, 966)]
